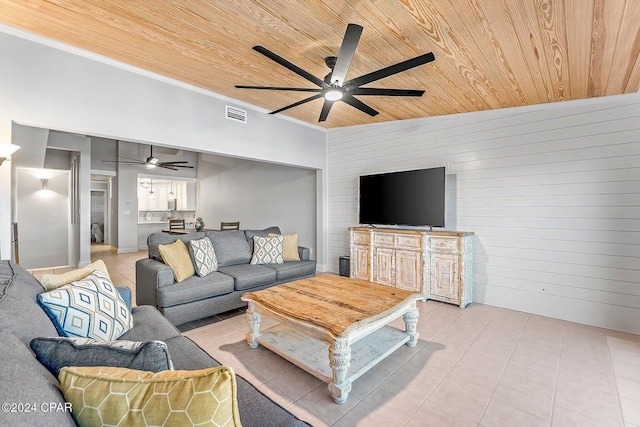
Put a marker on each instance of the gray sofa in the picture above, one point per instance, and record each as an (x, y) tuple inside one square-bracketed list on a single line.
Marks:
[(199, 297), (29, 392)]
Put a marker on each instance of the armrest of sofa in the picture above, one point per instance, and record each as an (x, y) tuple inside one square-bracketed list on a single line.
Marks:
[(304, 253), (151, 274)]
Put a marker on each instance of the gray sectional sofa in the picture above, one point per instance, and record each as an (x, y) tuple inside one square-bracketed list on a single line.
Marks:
[(199, 297), (30, 394)]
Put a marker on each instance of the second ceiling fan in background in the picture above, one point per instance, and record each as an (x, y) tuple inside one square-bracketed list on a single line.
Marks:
[(151, 162), (333, 87)]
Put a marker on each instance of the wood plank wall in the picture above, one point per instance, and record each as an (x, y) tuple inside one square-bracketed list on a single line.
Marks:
[(552, 193)]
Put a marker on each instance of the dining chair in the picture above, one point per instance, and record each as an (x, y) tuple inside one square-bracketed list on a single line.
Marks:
[(176, 224), (230, 225)]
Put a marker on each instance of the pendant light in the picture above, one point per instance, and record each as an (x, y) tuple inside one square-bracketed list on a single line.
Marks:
[(171, 195), (152, 194)]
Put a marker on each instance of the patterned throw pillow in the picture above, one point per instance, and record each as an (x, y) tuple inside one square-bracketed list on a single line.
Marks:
[(204, 257), (88, 308), (58, 352), (116, 396), (267, 250)]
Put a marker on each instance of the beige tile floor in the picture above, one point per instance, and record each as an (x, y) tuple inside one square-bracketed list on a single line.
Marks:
[(482, 366)]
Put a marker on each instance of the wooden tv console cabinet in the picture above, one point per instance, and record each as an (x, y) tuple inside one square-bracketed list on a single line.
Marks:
[(438, 264)]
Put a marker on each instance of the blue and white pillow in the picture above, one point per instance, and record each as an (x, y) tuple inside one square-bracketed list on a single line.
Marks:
[(88, 308), (204, 257)]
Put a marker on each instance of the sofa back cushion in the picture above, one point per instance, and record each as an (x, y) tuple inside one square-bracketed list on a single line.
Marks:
[(24, 382), (20, 314), (262, 233), (156, 239), (231, 247)]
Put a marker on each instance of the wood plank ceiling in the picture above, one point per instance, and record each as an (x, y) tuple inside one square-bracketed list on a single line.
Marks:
[(489, 53)]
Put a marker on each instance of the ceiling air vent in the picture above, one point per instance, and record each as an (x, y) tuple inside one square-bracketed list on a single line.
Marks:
[(236, 114)]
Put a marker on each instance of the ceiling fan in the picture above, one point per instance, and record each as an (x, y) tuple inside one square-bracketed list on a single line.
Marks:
[(333, 87), (152, 162)]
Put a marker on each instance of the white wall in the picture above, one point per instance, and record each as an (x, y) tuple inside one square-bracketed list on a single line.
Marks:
[(258, 195), (551, 192), (50, 88), (43, 225)]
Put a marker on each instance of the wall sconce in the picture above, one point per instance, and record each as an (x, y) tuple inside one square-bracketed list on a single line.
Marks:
[(7, 150), (45, 183)]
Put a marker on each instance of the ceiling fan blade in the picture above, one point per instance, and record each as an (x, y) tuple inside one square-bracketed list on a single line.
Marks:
[(164, 165), (385, 92), (345, 56), (390, 70), (297, 89), (280, 60), (167, 167), (172, 163), (295, 104), (131, 159), (359, 105), (326, 107), (123, 163)]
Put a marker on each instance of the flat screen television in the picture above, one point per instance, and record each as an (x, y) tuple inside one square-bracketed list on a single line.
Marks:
[(414, 198)]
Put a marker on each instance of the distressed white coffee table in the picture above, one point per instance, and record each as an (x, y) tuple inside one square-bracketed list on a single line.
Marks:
[(333, 327)]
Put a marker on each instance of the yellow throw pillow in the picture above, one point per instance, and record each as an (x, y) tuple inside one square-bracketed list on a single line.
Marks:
[(54, 281), (128, 397), (289, 247), (176, 255)]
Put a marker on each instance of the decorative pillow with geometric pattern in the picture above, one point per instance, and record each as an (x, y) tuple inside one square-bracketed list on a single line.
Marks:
[(127, 397), (267, 250), (88, 308), (204, 257)]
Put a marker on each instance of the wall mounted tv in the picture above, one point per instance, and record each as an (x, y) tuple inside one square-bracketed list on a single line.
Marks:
[(414, 197)]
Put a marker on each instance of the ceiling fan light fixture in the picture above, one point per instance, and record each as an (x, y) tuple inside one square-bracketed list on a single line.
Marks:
[(333, 95), (152, 160)]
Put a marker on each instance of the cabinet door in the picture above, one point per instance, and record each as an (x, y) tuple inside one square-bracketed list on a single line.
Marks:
[(360, 262), (445, 275), (409, 270), (384, 268)]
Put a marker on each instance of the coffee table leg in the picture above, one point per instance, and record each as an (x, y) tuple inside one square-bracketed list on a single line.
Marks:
[(339, 360), (253, 318), (410, 322)]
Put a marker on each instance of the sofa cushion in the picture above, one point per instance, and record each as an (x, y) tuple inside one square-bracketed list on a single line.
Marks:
[(231, 247), (53, 281), (120, 396), (176, 255), (293, 269), (195, 288), (19, 312), (247, 276), (289, 246), (89, 308), (267, 250), (156, 239), (249, 234), (204, 256), (24, 381), (150, 324)]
